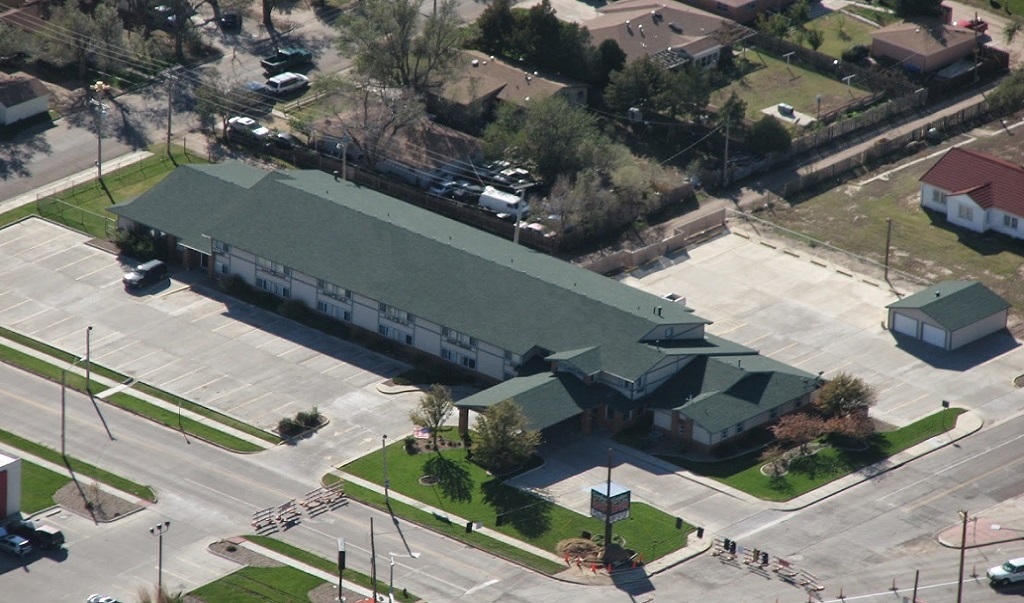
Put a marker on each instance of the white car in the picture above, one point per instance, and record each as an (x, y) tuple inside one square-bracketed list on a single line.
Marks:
[(101, 599), (287, 82), (247, 126), (1011, 571)]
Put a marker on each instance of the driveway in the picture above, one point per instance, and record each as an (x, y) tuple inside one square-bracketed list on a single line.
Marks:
[(191, 340)]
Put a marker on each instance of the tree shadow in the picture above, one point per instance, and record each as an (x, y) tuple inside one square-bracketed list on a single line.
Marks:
[(528, 514), (453, 479)]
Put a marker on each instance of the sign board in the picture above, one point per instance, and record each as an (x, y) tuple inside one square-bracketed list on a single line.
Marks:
[(616, 507)]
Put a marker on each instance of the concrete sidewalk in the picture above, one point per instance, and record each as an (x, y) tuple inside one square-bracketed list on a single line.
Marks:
[(997, 525)]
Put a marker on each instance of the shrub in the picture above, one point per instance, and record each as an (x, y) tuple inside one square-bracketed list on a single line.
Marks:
[(293, 309), (308, 418), (235, 286), (288, 428), (136, 246)]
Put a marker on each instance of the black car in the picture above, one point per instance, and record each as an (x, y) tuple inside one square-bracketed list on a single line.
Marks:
[(230, 21), (285, 141), (145, 275)]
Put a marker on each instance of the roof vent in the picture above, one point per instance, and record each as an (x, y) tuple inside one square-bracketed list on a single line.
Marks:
[(937, 294), (475, 63)]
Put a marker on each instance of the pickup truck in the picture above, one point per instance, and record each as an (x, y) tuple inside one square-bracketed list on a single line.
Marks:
[(286, 58), (41, 535), (974, 24)]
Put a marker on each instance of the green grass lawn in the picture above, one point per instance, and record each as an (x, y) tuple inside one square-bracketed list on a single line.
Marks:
[(38, 485), (842, 32), (269, 584), (466, 490), (327, 565), (774, 82), (881, 17), (84, 207), (811, 472), (853, 217)]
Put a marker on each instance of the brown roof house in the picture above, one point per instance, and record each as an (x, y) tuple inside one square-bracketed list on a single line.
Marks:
[(483, 81), (740, 11), (923, 47), (22, 98), (976, 191), (673, 34)]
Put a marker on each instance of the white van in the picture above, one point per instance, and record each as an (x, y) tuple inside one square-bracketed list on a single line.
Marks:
[(287, 82), (501, 202)]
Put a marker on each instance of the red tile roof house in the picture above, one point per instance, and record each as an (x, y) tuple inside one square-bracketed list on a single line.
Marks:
[(673, 34), (923, 48), (976, 191)]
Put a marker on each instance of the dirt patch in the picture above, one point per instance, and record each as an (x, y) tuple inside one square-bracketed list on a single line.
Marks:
[(90, 501)]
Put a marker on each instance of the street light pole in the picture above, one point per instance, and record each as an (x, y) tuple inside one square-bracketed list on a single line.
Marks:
[(341, 567), (391, 582), (63, 380), (88, 361), (384, 458), (100, 89), (158, 530), (963, 545)]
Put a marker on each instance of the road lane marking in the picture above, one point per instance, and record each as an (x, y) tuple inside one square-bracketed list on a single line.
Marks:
[(481, 586)]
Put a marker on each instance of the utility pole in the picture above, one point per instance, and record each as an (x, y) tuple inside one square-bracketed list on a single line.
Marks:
[(917, 574), (888, 240), (963, 550), (608, 507), (170, 98), (99, 88), (341, 567), (725, 161), (88, 361), (63, 380), (373, 563)]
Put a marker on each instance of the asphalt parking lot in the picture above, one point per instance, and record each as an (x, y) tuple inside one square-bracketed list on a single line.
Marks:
[(191, 341)]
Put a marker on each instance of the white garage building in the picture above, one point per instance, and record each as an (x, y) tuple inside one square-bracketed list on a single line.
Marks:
[(950, 314), (22, 98)]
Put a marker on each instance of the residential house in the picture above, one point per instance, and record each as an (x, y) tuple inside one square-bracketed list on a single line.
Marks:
[(740, 11), (950, 314), (673, 34), (481, 82), (22, 98), (976, 191), (923, 47), (574, 348)]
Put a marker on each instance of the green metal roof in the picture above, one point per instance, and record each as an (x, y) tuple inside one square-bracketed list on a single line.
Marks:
[(547, 399), (954, 304), (719, 393), (423, 263)]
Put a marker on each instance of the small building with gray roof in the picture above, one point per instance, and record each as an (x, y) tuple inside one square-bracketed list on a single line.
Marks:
[(569, 345), (950, 314)]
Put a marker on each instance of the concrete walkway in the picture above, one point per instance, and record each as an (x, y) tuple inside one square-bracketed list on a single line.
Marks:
[(111, 387)]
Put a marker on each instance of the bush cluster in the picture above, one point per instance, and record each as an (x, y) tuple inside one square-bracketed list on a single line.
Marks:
[(304, 420)]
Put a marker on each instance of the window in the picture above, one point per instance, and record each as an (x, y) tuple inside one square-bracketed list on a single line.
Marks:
[(459, 339), (332, 290), (457, 358), (396, 315), (396, 334), (938, 197), (739, 428), (628, 416), (609, 413), (724, 435), (272, 267), (334, 311), (223, 269), (1010, 221), (774, 413), (221, 247), (668, 332), (965, 212)]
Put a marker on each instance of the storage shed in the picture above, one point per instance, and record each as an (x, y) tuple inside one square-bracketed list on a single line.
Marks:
[(950, 314), (22, 98)]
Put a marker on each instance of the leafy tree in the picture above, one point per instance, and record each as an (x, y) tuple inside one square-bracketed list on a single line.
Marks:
[(773, 24), (555, 136), (495, 28), (434, 409), (815, 38), (1012, 29), (393, 44), (610, 58), (845, 395), (857, 426), (918, 8), (642, 83), (160, 595), (1009, 95), (798, 429), (80, 43), (502, 441), (769, 135), (733, 110), (799, 12), (13, 39)]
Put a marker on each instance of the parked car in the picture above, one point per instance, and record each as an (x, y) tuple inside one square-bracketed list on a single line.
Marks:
[(101, 599), (287, 82), (14, 545), (443, 189), (247, 128), (145, 275), (974, 24), (285, 141), (286, 58), (1011, 571), (230, 21), (40, 535)]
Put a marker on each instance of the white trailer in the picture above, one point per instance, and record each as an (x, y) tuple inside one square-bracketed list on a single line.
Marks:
[(501, 202)]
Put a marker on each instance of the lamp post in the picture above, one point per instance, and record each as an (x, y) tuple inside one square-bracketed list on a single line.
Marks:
[(384, 460), (391, 582), (63, 381), (99, 88), (341, 567), (963, 544), (88, 361), (158, 530), (818, 100)]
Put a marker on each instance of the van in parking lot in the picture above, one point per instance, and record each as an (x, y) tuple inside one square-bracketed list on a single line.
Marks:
[(145, 275), (287, 82)]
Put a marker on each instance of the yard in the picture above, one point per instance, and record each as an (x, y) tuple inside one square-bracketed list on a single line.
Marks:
[(828, 464), (773, 82), (466, 490), (853, 217), (842, 32)]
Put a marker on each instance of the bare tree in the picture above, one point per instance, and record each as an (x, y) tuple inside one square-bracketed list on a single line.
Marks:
[(798, 429)]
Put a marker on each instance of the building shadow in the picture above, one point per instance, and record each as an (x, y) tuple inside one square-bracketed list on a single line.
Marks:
[(961, 359)]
